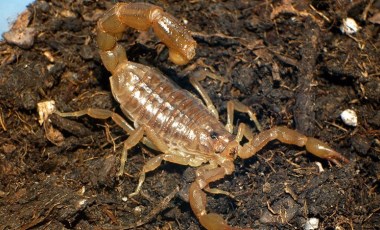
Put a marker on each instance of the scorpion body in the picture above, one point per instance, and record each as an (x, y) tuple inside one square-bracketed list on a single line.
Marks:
[(180, 119), (173, 121)]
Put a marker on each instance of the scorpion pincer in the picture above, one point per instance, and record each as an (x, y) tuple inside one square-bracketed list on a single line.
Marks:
[(173, 121)]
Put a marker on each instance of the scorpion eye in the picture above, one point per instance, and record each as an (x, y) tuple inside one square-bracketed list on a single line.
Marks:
[(214, 135)]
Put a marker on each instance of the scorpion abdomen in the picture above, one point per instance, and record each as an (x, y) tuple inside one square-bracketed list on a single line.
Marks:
[(149, 98)]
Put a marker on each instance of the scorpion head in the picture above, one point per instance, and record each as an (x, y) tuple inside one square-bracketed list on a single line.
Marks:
[(218, 141), (225, 149)]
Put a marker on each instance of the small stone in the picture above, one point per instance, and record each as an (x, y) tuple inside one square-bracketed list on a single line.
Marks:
[(311, 224), (349, 26), (45, 109), (23, 38), (349, 117)]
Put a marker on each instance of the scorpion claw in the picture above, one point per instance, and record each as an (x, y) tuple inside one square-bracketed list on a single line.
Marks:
[(213, 221), (322, 150)]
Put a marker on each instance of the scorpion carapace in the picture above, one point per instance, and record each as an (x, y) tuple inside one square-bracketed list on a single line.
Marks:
[(173, 121)]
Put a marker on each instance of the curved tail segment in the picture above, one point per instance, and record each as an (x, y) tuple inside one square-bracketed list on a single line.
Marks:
[(142, 16)]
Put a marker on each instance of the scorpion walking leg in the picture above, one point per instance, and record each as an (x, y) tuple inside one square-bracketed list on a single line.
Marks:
[(100, 114), (105, 114), (152, 163), (200, 75), (238, 106), (288, 136), (132, 140)]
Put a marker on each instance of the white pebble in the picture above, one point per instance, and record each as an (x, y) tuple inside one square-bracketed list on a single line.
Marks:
[(44, 109), (349, 26), (82, 202), (320, 167), (349, 117), (311, 224)]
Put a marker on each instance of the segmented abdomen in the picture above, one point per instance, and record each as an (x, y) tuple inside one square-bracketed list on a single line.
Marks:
[(149, 98)]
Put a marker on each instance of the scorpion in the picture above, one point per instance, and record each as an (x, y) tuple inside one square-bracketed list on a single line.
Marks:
[(173, 121)]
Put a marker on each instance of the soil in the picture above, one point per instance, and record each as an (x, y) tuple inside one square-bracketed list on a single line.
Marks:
[(288, 61)]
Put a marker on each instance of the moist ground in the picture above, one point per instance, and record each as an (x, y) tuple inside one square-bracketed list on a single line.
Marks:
[(291, 64)]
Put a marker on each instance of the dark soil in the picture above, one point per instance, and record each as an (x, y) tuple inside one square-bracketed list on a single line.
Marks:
[(292, 66)]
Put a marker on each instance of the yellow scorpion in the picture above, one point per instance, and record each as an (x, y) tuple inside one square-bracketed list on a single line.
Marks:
[(171, 120)]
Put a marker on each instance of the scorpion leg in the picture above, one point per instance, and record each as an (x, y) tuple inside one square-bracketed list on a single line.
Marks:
[(105, 114), (195, 79), (287, 136), (152, 163), (100, 114), (238, 106), (131, 141)]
